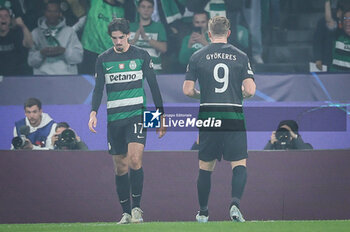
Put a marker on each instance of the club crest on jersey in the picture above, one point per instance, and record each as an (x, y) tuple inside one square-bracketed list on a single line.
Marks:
[(121, 66), (132, 65)]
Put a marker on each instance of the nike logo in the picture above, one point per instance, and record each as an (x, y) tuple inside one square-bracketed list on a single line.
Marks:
[(109, 68), (138, 195), (123, 201), (140, 137)]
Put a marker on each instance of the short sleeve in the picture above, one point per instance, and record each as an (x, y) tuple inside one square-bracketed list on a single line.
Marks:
[(247, 69), (191, 70)]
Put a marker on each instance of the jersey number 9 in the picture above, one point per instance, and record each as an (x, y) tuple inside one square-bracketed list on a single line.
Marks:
[(223, 79)]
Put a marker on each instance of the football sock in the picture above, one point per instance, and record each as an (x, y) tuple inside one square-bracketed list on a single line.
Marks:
[(123, 190), (239, 179), (136, 181), (203, 189)]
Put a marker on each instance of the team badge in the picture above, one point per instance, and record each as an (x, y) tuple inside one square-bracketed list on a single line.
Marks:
[(121, 66), (151, 64), (132, 65)]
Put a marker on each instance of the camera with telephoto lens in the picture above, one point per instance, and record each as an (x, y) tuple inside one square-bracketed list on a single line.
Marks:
[(283, 138), (19, 142), (66, 140)]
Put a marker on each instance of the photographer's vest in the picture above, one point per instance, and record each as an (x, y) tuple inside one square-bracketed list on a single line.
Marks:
[(37, 137)]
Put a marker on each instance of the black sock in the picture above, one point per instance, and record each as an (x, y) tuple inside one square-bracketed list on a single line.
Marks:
[(136, 180), (123, 190), (239, 179), (203, 189)]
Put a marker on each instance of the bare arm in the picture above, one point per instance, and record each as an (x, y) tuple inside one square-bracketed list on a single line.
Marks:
[(331, 24), (158, 45), (248, 88), (189, 89), (27, 36)]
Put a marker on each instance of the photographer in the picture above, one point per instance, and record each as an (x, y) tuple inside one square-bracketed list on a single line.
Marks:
[(286, 137), (66, 139), (35, 130)]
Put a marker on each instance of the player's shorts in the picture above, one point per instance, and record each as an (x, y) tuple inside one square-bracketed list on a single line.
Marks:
[(120, 136), (231, 145)]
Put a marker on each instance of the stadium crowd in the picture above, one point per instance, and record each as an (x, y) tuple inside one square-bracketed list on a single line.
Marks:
[(58, 37)]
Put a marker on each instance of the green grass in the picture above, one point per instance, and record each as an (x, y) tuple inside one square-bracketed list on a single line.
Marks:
[(251, 226)]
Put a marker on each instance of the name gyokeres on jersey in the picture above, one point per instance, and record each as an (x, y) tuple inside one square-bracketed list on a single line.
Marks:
[(220, 55)]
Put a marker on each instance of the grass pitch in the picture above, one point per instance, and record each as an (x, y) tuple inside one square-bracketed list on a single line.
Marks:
[(250, 226)]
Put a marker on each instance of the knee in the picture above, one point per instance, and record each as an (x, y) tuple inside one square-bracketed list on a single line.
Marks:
[(135, 162), (121, 169)]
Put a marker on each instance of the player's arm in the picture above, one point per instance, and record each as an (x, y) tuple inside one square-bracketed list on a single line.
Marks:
[(156, 96), (248, 88), (97, 94), (189, 89), (248, 84)]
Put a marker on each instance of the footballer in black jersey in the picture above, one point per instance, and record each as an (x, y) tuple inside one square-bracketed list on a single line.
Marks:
[(225, 77)]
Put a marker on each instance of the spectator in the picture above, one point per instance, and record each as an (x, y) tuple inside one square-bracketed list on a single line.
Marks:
[(95, 37), (252, 13), (197, 39), (29, 10), (325, 34), (169, 13), (40, 126), (67, 139), (233, 10), (149, 35), (13, 44), (57, 49), (286, 137), (341, 49), (74, 11)]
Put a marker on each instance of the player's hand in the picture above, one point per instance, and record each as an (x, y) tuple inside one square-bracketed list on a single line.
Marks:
[(92, 121), (162, 130)]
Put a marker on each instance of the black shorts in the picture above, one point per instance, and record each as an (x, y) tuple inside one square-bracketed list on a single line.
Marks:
[(120, 136), (231, 145)]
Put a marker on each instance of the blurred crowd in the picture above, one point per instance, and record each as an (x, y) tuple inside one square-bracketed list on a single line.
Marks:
[(64, 37)]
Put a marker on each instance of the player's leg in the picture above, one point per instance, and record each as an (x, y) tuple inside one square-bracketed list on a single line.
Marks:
[(203, 188), (118, 145), (239, 180), (136, 138), (236, 152), (135, 153), (209, 147), (123, 186)]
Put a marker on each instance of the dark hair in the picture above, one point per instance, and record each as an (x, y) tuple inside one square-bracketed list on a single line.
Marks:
[(119, 24), (32, 102), (5, 8), (62, 124), (219, 25), (201, 12), (150, 1)]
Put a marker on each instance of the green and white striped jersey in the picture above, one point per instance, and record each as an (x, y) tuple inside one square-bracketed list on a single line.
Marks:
[(341, 54), (123, 74)]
